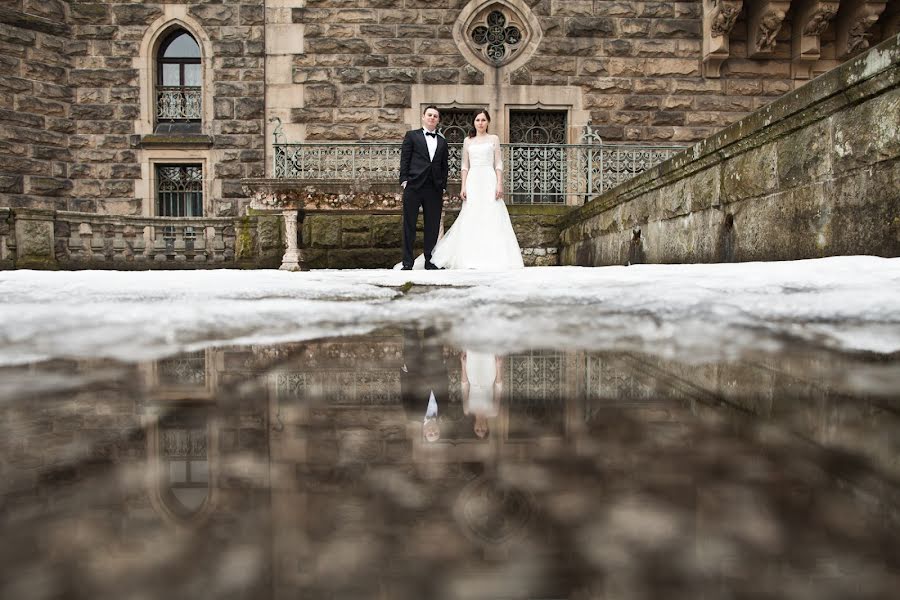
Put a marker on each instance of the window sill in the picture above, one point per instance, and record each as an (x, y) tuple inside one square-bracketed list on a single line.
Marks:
[(176, 140)]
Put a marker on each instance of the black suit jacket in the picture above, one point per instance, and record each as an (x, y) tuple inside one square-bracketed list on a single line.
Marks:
[(415, 163)]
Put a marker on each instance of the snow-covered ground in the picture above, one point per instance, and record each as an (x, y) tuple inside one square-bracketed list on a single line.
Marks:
[(701, 312)]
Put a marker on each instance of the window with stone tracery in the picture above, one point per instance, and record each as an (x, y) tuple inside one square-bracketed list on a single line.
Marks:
[(497, 34)]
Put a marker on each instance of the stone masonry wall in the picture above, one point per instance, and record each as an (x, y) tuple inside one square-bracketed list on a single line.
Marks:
[(816, 173), (109, 73), (346, 70), (35, 104), (365, 241)]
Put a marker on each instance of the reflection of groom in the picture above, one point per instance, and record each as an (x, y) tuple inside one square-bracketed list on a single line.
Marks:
[(424, 387), (423, 176)]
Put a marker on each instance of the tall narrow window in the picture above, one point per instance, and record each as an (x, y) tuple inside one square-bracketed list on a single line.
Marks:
[(179, 79), (179, 190)]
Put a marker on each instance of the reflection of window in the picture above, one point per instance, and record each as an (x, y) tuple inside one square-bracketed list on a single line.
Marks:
[(184, 472), (179, 78), (179, 190), (188, 368)]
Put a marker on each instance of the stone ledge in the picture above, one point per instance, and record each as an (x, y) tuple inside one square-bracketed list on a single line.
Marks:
[(32, 22), (849, 84), (157, 140)]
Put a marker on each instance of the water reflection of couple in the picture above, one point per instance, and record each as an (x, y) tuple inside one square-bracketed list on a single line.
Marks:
[(425, 389)]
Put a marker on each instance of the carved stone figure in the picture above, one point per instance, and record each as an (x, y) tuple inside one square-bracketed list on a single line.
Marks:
[(819, 19), (769, 26), (724, 14), (859, 32)]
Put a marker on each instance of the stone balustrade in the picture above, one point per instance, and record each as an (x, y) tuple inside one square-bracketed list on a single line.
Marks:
[(47, 239)]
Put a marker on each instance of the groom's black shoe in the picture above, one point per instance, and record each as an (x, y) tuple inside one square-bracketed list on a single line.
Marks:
[(430, 266), (407, 268)]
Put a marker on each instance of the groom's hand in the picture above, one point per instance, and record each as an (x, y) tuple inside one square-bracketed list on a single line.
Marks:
[(403, 185)]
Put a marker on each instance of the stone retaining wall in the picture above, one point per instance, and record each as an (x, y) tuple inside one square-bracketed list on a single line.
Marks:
[(360, 241), (817, 173)]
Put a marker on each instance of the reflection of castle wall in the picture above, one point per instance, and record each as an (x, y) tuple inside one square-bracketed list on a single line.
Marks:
[(317, 482)]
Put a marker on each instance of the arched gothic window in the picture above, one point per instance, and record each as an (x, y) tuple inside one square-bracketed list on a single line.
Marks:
[(178, 80)]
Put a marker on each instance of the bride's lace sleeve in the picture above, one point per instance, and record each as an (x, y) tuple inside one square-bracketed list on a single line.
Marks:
[(465, 155), (498, 156)]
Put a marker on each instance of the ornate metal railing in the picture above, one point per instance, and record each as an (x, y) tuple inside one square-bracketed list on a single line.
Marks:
[(535, 173), (178, 104)]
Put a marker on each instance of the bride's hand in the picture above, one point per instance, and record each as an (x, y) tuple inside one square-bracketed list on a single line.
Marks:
[(462, 194), (499, 192)]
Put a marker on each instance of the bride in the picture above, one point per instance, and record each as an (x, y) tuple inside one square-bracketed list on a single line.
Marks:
[(482, 236)]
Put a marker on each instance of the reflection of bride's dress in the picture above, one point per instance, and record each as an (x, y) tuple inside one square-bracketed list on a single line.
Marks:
[(482, 236), (481, 370)]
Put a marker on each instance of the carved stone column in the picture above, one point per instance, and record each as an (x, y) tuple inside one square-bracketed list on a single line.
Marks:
[(764, 20), (293, 256), (719, 17), (811, 19), (854, 21)]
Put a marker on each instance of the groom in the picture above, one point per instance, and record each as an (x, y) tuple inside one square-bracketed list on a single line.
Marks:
[(423, 177)]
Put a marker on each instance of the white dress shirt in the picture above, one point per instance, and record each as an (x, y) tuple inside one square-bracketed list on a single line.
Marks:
[(431, 140)]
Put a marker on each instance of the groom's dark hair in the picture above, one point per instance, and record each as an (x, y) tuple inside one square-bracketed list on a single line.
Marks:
[(436, 109)]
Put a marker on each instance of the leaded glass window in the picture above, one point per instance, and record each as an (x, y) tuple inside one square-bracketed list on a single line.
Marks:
[(537, 157), (179, 190), (455, 125)]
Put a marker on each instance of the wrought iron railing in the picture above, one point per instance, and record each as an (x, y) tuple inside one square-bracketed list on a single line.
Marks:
[(535, 173), (178, 103)]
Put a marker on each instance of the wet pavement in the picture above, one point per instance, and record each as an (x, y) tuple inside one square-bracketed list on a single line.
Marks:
[(399, 465)]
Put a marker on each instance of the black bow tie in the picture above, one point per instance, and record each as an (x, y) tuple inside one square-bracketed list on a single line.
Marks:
[(434, 135)]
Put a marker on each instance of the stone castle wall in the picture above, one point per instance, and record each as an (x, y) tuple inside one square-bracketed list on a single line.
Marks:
[(112, 70), (814, 174), (350, 70), (35, 104)]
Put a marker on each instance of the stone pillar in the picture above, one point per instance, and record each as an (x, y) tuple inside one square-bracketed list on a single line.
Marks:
[(719, 17), (35, 240), (293, 256)]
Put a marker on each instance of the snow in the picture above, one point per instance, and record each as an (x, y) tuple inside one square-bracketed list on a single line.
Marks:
[(699, 312)]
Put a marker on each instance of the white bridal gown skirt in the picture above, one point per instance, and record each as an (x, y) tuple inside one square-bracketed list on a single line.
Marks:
[(482, 236)]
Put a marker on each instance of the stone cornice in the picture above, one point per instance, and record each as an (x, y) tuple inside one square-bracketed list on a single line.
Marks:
[(34, 23), (848, 84)]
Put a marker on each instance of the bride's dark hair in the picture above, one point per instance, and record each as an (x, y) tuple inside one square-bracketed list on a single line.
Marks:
[(484, 112)]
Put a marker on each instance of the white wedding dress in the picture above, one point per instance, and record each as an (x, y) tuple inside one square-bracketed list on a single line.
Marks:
[(481, 371), (482, 236)]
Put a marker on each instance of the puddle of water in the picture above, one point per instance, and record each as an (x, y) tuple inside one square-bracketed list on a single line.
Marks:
[(321, 469)]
